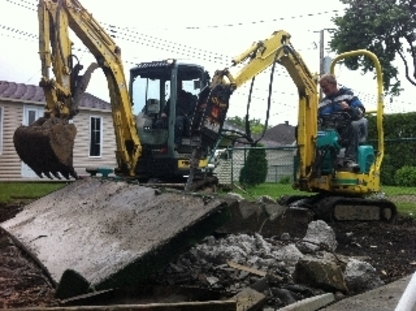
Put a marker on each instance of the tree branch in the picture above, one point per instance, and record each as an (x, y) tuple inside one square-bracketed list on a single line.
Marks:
[(406, 68), (413, 53)]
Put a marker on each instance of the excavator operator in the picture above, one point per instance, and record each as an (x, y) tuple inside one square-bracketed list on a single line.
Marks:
[(185, 106), (343, 100)]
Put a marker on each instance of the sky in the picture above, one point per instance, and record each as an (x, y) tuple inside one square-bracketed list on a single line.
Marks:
[(211, 35)]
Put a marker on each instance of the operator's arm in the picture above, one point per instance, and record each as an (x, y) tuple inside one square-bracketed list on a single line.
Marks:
[(355, 108), (344, 100), (165, 111), (328, 107), (193, 101)]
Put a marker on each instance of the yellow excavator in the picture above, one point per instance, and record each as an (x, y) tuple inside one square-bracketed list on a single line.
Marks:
[(143, 152), (334, 193)]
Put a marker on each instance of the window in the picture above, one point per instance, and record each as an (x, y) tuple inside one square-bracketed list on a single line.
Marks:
[(1, 129), (96, 131), (31, 116)]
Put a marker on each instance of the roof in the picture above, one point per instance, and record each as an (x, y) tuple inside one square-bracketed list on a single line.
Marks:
[(26, 92), (282, 134), (279, 135)]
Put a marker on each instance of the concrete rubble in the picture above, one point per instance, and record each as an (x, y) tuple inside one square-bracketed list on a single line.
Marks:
[(97, 234), (227, 245), (294, 269)]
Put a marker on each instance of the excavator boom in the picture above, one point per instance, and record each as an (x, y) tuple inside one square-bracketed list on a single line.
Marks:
[(46, 146), (260, 56)]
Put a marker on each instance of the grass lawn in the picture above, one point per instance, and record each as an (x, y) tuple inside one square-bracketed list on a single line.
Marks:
[(12, 191), (405, 198)]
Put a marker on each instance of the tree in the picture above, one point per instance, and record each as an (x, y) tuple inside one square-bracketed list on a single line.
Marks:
[(385, 27), (256, 127), (254, 171)]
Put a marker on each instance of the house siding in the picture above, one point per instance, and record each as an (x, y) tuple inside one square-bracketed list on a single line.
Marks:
[(82, 160), (10, 163)]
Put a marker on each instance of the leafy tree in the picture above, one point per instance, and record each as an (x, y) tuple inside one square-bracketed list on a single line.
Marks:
[(254, 171), (385, 27), (256, 127)]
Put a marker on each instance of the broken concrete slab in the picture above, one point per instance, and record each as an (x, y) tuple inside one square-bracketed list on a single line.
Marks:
[(249, 300), (96, 234), (267, 219), (320, 273), (216, 305), (310, 304)]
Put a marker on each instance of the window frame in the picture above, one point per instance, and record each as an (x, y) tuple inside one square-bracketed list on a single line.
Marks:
[(101, 130)]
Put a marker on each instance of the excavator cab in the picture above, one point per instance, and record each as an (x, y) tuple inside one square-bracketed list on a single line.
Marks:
[(153, 85)]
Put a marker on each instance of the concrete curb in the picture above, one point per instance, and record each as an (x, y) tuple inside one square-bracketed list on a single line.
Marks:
[(310, 304)]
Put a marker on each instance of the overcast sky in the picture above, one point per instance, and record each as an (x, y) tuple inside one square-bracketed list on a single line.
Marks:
[(210, 34)]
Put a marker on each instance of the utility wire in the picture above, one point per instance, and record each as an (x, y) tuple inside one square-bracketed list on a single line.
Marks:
[(151, 41), (34, 37), (169, 46), (25, 4)]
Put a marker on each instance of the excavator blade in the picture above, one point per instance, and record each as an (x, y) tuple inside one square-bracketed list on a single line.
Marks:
[(46, 146)]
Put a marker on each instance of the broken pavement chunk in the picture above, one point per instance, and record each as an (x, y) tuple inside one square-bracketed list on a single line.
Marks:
[(106, 233)]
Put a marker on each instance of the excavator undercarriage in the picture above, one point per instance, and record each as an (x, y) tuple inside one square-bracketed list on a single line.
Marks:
[(333, 208)]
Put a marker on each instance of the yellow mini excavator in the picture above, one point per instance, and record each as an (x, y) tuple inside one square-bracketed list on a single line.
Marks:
[(340, 194), (143, 152)]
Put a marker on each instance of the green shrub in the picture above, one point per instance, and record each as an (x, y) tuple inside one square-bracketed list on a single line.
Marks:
[(254, 171), (406, 176), (285, 180)]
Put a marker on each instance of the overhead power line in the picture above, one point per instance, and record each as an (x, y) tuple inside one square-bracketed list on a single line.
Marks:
[(32, 5), (127, 34), (154, 43), (250, 23), (19, 34), (32, 37)]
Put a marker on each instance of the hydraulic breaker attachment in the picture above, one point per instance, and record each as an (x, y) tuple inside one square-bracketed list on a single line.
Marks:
[(207, 123), (46, 146), (213, 117)]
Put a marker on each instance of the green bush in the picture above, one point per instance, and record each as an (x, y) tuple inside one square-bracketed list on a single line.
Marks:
[(254, 171), (285, 180), (406, 176), (399, 139)]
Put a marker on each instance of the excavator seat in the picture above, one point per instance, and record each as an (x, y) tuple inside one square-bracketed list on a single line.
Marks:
[(365, 152), (363, 125)]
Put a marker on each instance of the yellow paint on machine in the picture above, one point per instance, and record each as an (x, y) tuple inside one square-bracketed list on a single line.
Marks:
[(184, 164)]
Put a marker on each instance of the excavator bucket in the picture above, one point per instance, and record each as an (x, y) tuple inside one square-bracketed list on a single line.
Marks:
[(46, 146)]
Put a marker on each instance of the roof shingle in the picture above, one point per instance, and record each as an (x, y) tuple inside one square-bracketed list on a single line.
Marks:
[(34, 93)]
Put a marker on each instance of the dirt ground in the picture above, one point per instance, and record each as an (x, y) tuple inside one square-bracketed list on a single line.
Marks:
[(390, 248)]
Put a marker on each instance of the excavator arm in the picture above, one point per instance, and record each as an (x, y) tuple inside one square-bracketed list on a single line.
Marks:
[(260, 56), (47, 145)]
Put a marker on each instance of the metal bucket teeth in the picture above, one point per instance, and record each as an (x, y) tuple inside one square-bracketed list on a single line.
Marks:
[(46, 147)]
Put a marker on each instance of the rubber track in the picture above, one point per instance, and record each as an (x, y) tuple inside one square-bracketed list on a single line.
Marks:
[(323, 205)]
